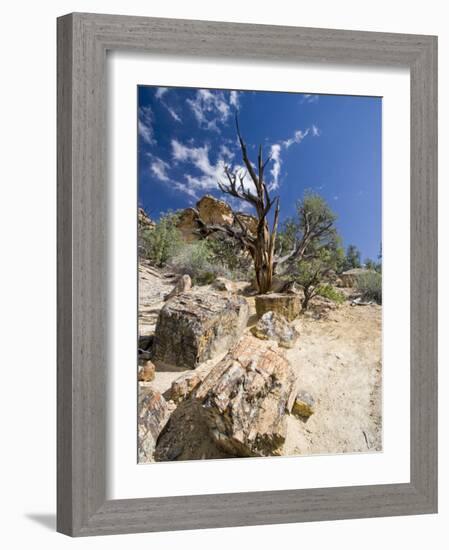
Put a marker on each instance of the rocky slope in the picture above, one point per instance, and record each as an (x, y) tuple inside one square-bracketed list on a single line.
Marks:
[(336, 361)]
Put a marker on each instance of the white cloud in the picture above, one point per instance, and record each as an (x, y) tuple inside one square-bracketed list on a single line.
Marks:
[(160, 92), (145, 125), (309, 98), (226, 153), (173, 113), (276, 168), (159, 169), (209, 174), (210, 108), (234, 99), (298, 136), (277, 148)]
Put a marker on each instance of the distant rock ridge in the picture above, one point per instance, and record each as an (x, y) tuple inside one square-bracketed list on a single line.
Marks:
[(145, 222)]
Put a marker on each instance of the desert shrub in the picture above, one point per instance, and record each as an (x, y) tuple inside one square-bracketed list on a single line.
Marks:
[(331, 293), (162, 243), (370, 284), (196, 259), (227, 254)]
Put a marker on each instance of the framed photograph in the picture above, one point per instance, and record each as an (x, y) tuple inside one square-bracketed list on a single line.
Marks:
[(247, 274)]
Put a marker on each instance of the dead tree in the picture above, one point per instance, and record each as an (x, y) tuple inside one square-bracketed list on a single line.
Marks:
[(316, 223), (261, 244)]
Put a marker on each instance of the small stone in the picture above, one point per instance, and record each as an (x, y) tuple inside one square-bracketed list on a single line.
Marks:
[(304, 404), (223, 284), (183, 386), (272, 326), (147, 372)]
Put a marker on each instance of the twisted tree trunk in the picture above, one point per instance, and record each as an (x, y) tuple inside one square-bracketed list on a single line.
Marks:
[(261, 245)]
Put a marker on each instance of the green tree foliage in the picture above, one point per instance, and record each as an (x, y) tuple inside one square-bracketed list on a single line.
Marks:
[(160, 244), (352, 259), (313, 229), (370, 264), (311, 274)]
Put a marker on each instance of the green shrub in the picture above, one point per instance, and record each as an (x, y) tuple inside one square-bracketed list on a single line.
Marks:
[(370, 284), (230, 257), (196, 260), (329, 292), (163, 242)]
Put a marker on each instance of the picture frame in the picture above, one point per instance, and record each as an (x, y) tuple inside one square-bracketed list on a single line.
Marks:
[(83, 41)]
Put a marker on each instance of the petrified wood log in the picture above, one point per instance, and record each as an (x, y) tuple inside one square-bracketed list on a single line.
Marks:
[(245, 399), (153, 414), (288, 305), (195, 326)]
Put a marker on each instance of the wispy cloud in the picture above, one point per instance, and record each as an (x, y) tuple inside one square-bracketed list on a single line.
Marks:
[(159, 169), (234, 99), (309, 98), (211, 108), (199, 158), (298, 136), (276, 168), (160, 92), (145, 125), (209, 173), (276, 150), (173, 113)]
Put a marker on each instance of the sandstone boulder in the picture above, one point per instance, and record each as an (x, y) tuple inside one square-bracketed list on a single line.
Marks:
[(153, 414), (272, 326), (211, 211), (245, 398), (184, 284), (288, 305), (195, 326)]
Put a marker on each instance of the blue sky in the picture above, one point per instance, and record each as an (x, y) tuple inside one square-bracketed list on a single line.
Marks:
[(327, 143)]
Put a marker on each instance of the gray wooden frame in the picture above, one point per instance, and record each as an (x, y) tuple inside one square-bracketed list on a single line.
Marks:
[(83, 40)]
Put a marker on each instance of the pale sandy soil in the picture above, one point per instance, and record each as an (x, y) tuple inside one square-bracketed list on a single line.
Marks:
[(337, 359)]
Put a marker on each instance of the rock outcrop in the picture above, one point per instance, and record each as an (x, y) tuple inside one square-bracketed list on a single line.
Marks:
[(349, 278), (153, 413), (195, 326), (245, 399), (211, 211), (287, 305), (145, 222), (272, 326)]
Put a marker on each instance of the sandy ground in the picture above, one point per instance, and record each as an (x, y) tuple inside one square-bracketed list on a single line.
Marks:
[(337, 360)]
